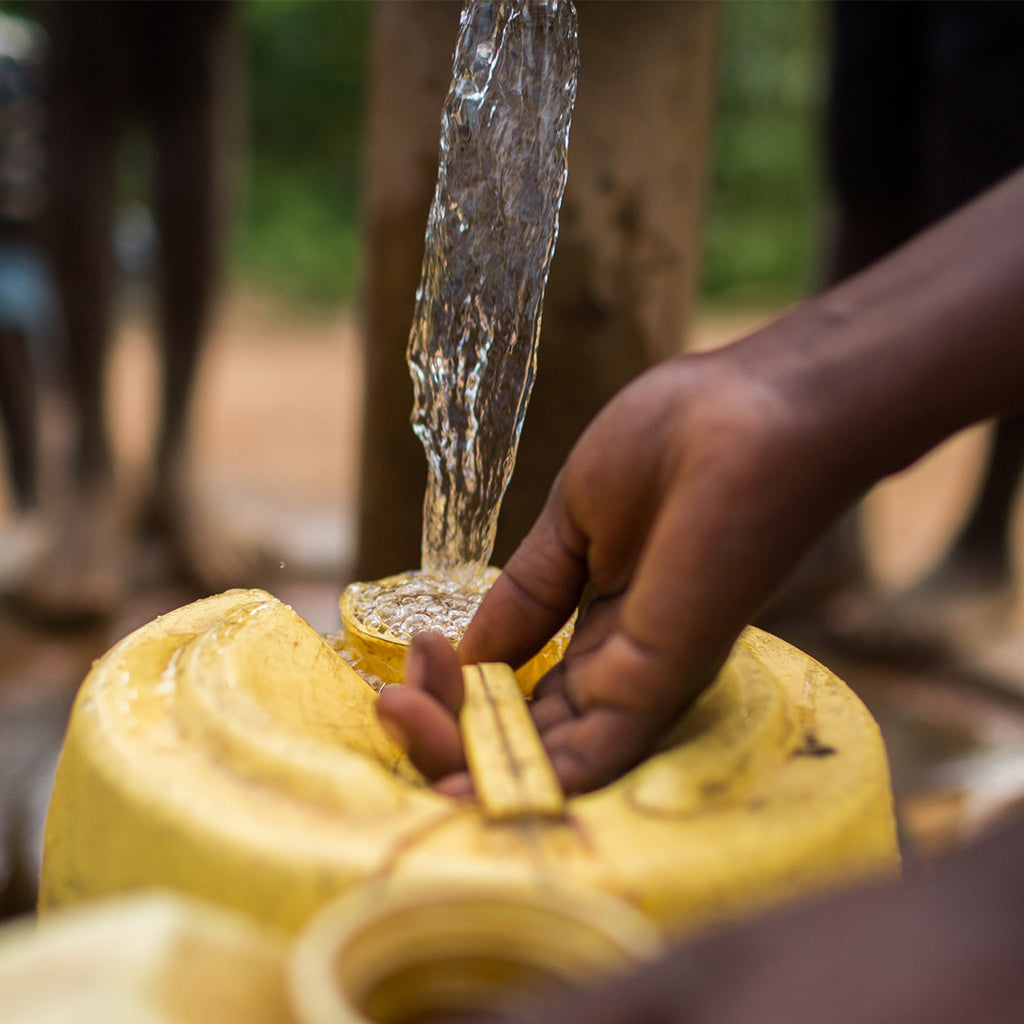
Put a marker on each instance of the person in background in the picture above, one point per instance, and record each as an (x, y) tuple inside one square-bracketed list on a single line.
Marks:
[(28, 310), (175, 65), (681, 510)]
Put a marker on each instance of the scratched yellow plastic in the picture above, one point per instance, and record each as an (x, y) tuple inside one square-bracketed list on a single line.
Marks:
[(225, 750), (512, 775)]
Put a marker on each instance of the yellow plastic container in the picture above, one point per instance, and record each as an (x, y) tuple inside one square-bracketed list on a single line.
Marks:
[(226, 750), (153, 959), (393, 953), (385, 953)]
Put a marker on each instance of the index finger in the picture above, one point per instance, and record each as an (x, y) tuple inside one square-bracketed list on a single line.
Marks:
[(536, 593)]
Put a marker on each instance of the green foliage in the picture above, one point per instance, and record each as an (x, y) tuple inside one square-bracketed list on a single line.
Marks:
[(300, 236), (306, 84), (300, 232), (761, 240)]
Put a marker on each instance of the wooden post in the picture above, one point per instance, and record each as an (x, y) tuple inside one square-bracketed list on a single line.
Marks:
[(625, 269)]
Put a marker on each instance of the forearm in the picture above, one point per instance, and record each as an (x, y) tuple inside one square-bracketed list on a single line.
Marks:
[(927, 341)]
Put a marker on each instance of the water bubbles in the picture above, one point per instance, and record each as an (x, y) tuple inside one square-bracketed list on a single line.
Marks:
[(415, 623), (401, 607)]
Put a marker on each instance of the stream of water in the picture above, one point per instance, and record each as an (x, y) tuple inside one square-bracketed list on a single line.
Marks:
[(490, 238), (473, 344)]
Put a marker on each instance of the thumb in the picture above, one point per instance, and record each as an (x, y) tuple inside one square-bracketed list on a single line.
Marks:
[(536, 592)]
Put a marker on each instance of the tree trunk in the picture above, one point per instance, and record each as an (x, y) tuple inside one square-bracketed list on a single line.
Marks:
[(625, 268)]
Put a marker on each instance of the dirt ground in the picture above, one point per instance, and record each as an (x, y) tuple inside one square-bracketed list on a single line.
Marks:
[(276, 434)]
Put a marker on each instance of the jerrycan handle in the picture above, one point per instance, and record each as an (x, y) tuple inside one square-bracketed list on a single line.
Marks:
[(510, 768)]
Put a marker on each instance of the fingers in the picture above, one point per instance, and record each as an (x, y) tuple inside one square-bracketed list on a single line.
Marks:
[(535, 594), (458, 785), (600, 712), (592, 710), (432, 665), (701, 576), (422, 715)]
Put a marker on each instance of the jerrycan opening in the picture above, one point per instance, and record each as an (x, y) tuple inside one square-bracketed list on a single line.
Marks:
[(413, 954)]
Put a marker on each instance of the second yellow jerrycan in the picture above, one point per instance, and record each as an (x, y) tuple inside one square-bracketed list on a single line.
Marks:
[(228, 751), (385, 953)]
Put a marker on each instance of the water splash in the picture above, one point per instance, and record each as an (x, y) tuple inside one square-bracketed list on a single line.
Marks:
[(490, 238), (400, 607)]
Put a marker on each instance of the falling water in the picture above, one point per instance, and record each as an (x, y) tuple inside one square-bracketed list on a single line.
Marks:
[(490, 238), (473, 345)]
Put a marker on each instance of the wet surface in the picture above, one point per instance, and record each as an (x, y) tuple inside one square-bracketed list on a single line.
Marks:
[(277, 420)]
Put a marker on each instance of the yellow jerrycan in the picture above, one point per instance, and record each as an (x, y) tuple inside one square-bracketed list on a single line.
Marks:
[(385, 953), (156, 958), (227, 751)]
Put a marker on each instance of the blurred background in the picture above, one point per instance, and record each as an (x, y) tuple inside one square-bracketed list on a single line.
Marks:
[(277, 400), (298, 231), (277, 409)]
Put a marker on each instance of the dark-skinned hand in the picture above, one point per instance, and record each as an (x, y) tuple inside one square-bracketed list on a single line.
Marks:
[(693, 492), (661, 511)]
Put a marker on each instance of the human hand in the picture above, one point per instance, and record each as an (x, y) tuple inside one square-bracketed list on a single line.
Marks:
[(690, 496), (680, 509)]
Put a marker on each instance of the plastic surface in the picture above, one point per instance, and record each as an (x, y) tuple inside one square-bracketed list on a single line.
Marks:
[(226, 750)]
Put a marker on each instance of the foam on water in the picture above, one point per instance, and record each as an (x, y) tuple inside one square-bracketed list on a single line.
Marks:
[(400, 608)]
